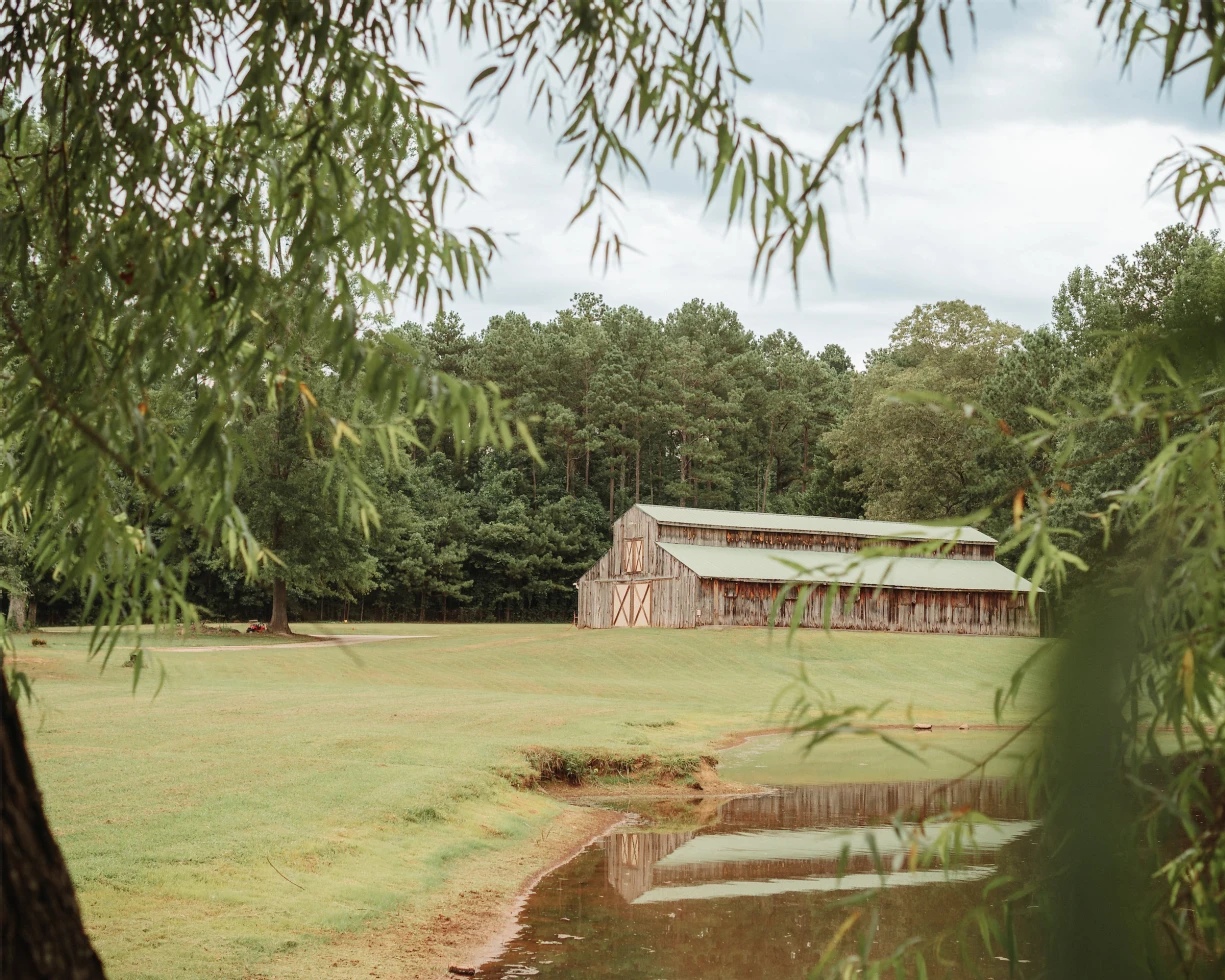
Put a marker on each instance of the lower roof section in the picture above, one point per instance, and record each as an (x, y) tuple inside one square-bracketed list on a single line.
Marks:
[(776, 565)]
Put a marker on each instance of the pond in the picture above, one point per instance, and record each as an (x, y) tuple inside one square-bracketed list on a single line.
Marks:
[(753, 886)]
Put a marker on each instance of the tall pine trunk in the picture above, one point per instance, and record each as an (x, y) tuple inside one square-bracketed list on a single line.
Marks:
[(804, 465), (41, 933), (279, 623)]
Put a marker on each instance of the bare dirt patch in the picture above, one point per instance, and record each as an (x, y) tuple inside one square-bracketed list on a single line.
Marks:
[(38, 668), (704, 782)]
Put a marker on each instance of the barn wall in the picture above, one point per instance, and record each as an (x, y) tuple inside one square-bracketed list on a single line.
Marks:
[(733, 603), (674, 587), (797, 540), (674, 593)]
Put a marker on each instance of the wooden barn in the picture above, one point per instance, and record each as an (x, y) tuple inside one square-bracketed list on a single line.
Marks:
[(684, 567)]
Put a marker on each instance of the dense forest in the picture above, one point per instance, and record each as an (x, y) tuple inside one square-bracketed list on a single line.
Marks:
[(692, 409)]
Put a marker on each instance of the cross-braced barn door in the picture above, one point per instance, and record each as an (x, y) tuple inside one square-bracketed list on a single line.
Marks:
[(642, 604), (623, 604)]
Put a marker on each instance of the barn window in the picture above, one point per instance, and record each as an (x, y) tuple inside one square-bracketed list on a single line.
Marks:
[(632, 556)]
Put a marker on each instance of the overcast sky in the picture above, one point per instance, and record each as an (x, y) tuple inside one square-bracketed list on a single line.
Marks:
[(1037, 161)]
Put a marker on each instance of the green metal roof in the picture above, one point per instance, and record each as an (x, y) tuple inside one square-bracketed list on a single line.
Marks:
[(776, 565), (742, 520)]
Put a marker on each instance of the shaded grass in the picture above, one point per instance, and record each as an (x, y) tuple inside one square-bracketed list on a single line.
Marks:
[(369, 776)]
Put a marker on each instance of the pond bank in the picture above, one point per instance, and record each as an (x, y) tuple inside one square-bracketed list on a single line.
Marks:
[(750, 885), (465, 927), (461, 925)]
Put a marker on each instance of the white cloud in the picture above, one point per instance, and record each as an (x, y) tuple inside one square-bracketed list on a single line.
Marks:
[(1038, 163)]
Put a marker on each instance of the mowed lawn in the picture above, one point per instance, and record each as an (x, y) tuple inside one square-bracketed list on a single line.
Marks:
[(370, 776)]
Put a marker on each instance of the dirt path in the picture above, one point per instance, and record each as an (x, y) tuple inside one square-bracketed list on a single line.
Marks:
[(306, 640), (733, 739)]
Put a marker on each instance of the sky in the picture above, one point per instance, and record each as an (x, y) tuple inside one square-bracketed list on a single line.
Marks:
[(1034, 160)]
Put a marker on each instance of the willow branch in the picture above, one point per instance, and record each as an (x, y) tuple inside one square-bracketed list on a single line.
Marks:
[(91, 434)]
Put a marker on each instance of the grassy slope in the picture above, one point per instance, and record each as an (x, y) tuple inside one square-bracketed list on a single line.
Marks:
[(367, 776)]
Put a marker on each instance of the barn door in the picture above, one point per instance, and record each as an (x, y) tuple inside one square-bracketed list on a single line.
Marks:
[(623, 603), (642, 604)]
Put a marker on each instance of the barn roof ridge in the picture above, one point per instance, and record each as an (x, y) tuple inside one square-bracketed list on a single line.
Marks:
[(754, 521), (788, 565)]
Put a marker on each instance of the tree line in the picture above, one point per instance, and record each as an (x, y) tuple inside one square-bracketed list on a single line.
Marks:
[(692, 410)]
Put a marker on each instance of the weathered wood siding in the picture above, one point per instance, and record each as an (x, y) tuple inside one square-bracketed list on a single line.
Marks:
[(804, 541), (674, 588), (734, 603)]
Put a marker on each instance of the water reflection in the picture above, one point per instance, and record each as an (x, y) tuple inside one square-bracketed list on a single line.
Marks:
[(755, 893)]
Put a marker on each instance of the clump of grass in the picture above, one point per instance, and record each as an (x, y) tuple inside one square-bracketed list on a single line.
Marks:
[(423, 814), (580, 766), (650, 724)]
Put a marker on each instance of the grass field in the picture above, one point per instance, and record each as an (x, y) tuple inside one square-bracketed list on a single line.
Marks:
[(369, 776)]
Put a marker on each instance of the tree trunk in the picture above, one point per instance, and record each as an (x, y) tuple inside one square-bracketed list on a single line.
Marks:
[(279, 623), (804, 465), (41, 933), (612, 482), (638, 475), (17, 611)]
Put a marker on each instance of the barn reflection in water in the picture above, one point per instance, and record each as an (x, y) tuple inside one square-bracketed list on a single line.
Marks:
[(753, 893)]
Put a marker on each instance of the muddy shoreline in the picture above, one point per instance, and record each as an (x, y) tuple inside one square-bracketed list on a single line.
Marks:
[(467, 929), (505, 924)]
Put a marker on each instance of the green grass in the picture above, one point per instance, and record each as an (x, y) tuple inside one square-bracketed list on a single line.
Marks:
[(370, 777)]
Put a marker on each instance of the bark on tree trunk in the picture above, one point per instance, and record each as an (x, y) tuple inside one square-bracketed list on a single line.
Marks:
[(804, 465), (41, 933), (279, 623), (17, 611)]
